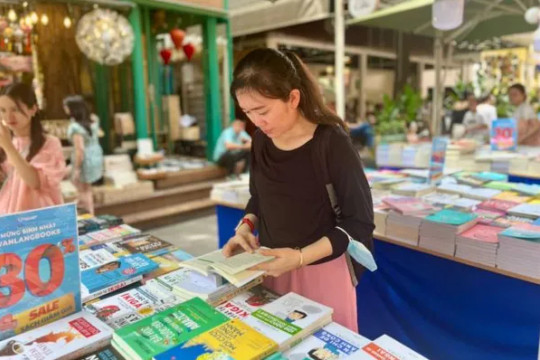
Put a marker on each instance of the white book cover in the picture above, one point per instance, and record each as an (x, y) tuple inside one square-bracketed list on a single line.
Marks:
[(532, 210), (241, 306), (288, 318), (88, 296), (70, 337), (331, 342), (191, 283), (89, 259), (133, 300), (385, 347)]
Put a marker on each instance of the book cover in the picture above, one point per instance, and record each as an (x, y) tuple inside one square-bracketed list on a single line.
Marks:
[(484, 233), (134, 300), (504, 134), (498, 205), (158, 333), (111, 247), (490, 176), (106, 353), (73, 336), (87, 296), (511, 220), (39, 265), (166, 263), (532, 210), (331, 342), (451, 217), (385, 347), (90, 258), (512, 196), (437, 159), (242, 305), (528, 189), (500, 185), (116, 271), (488, 216), (523, 231), (191, 283), (407, 205), (232, 340), (288, 317), (144, 244)]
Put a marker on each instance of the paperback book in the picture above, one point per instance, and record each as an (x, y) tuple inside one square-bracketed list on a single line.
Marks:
[(68, 338), (242, 305), (233, 340), (289, 319), (106, 353), (158, 333), (331, 342), (90, 259), (116, 271), (387, 348), (145, 244)]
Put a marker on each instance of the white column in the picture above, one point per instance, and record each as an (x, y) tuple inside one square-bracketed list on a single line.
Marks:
[(339, 37), (437, 90), (363, 78)]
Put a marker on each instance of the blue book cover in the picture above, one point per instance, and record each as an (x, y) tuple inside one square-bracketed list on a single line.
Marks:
[(39, 262), (537, 222), (451, 217), (437, 160), (116, 271), (529, 232), (490, 176)]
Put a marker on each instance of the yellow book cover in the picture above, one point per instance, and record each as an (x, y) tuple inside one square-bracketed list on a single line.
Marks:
[(233, 340), (535, 201), (512, 196)]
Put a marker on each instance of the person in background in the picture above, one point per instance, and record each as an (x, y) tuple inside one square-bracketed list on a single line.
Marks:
[(487, 109), (527, 121), (290, 204), (32, 162), (475, 125), (87, 156), (233, 148)]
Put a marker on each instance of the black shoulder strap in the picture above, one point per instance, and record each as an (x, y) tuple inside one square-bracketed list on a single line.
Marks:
[(320, 159)]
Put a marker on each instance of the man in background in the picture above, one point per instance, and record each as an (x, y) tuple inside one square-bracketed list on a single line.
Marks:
[(233, 148)]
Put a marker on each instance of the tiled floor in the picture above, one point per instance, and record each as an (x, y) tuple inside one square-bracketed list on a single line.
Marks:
[(196, 236)]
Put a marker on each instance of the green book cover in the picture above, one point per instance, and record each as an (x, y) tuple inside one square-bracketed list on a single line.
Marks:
[(451, 217), (499, 185), (158, 333)]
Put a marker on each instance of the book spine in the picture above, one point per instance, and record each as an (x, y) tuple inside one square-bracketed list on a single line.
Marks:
[(111, 288), (219, 299)]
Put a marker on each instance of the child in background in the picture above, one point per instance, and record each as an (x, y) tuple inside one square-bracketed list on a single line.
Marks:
[(31, 161)]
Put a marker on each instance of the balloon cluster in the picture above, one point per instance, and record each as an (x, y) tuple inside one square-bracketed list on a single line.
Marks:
[(105, 36), (177, 37)]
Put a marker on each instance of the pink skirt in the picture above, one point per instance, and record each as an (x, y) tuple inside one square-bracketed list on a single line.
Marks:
[(328, 284)]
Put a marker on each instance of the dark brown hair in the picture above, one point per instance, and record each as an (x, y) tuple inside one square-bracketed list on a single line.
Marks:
[(22, 93), (274, 74), (79, 111), (519, 87)]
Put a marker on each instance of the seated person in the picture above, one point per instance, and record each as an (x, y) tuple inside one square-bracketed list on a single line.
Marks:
[(476, 126), (527, 121), (233, 148)]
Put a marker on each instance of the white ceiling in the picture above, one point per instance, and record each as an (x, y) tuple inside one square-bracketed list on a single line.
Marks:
[(238, 4)]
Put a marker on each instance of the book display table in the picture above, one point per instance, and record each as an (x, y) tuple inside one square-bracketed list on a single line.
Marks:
[(440, 305)]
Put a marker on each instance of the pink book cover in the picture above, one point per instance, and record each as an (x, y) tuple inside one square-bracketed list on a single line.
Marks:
[(488, 216), (407, 205), (496, 204), (484, 233)]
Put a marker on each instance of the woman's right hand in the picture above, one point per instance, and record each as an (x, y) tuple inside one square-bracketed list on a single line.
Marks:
[(242, 240)]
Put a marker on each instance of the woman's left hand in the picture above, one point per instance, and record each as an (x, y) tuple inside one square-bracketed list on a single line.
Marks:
[(286, 259), (5, 136)]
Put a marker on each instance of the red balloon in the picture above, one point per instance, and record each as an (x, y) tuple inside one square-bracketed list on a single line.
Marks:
[(189, 50), (177, 37), (166, 56)]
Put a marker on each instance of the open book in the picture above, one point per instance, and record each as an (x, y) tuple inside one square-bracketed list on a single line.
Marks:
[(234, 269)]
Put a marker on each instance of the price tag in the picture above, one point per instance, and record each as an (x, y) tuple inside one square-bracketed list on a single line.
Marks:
[(39, 276)]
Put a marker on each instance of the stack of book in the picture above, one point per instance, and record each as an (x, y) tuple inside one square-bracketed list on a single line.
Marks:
[(488, 216), (402, 224), (512, 196), (438, 231), (526, 210), (497, 205), (519, 250), (69, 338), (158, 333), (479, 244), (440, 199), (413, 189), (289, 319), (480, 193), (511, 220), (331, 342), (380, 216)]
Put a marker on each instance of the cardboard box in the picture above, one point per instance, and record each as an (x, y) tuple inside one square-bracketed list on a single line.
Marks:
[(192, 133), (172, 112)]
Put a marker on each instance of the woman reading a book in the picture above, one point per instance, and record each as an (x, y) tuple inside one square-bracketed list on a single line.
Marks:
[(289, 204), (31, 161)]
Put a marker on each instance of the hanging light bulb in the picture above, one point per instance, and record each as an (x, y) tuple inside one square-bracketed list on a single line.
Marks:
[(447, 14), (44, 19), (28, 20), (12, 15), (25, 4), (34, 17), (67, 22)]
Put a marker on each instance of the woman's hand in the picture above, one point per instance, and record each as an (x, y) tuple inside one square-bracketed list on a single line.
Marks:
[(5, 136), (286, 259), (243, 239)]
